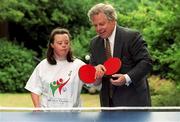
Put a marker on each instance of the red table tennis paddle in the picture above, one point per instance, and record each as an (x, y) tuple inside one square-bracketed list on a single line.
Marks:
[(87, 72), (112, 65)]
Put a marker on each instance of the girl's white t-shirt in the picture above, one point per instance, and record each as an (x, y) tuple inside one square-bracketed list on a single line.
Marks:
[(59, 85)]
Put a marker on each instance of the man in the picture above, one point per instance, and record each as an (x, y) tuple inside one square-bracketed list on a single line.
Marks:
[(130, 88)]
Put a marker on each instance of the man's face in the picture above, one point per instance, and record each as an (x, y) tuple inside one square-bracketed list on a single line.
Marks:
[(103, 26)]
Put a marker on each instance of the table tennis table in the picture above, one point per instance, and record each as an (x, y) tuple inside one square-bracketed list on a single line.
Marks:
[(103, 116)]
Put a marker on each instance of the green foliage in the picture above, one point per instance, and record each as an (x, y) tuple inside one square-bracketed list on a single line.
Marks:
[(160, 86), (13, 10), (170, 99), (170, 63), (40, 17), (158, 22), (81, 43), (164, 92), (16, 65)]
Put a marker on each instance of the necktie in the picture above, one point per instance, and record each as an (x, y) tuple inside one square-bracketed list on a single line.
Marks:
[(108, 55), (107, 48)]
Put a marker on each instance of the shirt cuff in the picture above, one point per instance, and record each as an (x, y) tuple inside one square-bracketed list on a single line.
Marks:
[(128, 80)]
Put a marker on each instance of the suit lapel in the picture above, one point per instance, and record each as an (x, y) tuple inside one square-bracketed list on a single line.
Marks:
[(101, 51), (118, 44)]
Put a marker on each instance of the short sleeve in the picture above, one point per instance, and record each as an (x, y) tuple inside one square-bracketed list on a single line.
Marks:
[(34, 83)]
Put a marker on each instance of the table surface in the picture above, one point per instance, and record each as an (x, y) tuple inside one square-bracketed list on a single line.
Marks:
[(105, 116)]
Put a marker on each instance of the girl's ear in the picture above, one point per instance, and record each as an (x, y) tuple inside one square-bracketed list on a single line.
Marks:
[(52, 45)]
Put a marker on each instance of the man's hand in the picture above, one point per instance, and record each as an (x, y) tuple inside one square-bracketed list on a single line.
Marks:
[(100, 70), (119, 81)]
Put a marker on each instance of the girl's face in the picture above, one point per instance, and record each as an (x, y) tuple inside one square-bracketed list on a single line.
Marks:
[(61, 46)]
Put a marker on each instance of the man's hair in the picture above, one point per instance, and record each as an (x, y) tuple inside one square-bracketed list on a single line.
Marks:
[(107, 9), (50, 51)]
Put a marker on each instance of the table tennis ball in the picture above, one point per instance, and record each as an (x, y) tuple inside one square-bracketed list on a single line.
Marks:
[(87, 57), (92, 90)]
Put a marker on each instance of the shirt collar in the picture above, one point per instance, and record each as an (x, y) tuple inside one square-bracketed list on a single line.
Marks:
[(112, 36)]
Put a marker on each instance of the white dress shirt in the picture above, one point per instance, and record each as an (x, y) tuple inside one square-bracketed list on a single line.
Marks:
[(111, 40)]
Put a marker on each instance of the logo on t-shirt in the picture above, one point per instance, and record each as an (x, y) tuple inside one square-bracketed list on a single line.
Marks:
[(59, 84)]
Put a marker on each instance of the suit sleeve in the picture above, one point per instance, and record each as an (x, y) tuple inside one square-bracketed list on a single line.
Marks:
[(92, 54), (141, 57)]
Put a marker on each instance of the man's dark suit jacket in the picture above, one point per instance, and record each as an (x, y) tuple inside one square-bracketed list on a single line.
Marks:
[(136, 62)]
